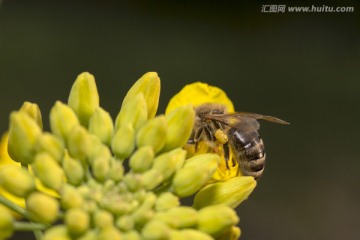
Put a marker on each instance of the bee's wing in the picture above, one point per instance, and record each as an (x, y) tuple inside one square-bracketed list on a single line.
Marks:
[(259, 116)]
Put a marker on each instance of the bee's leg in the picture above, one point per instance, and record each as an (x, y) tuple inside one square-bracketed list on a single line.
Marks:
[(226, 154), (209, 134), (197, 136)]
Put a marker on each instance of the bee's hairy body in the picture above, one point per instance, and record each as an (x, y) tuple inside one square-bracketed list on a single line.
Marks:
[(236, 132)]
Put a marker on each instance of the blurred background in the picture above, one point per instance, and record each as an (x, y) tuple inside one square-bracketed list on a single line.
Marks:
[(301, 67)]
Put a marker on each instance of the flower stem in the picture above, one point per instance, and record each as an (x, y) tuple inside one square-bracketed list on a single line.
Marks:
[(26, 226), (14, 207)]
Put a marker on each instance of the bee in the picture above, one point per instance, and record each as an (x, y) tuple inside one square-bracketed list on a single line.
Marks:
[(236, 132)]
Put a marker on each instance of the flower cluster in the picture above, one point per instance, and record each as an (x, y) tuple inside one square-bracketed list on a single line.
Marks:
[(94, 178)]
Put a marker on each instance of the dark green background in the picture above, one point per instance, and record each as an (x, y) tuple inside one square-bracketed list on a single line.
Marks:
[(302, 67)]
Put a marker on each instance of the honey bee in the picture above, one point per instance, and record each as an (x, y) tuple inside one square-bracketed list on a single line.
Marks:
[(236, 132)]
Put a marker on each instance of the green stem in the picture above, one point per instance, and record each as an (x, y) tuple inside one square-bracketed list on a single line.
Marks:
[(14, 207), (26, 226)]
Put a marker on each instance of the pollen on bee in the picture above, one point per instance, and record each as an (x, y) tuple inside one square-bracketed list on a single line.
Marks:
[(221, 136)]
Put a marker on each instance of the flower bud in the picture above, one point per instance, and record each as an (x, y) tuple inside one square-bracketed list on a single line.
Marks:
[(84, 97), (23, 134), (131, 235), (231, 192), (180, 123), (103, 219), (166, 201), (189, 234), (62, 120), (145, 212), (155, 230), (109, 233), (123, 143), (167, 163), (42, 208), (16, 180), (51, 144), (89, 235), (149, 86), (216, 220), (233, 234), (6, 223), (73, 169), (196, 172), (152, 179), (48, 171), (116, 172), (77, 221), (33, 110), (133, 181), (134, 112), (102, 126), (153, 133), (142, 159), (70, 197), (179, 217), (58, 232), (97, 149), (101, 168), (79, 143), (125, 223)]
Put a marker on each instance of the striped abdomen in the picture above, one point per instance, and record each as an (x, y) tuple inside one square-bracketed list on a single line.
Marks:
[(249, 151)]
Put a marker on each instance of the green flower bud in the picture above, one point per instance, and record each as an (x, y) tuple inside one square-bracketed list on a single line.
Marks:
[(109, 233), (6, 223), (51, 144), (153, 133), (180, 123), (179, 217), (116, 205), (125, 223), (42, 208), (97, 149), (145, 212), (189, 234), (142, 159), (133, 181), (149, 86), (62, 120), (166, 201), (116, 172), (33, 110), (101, 168), (155, 230), (23, 134), (71, 197), (84, 97), (77, 221), (123, 143), (89, 235), (133, 113), (58, 232), (152, 179), (48, 171), (233, 234), (131, 235), (231, 192), (16, 180), (103, 219), (167, 163), (73, 169), (216, 220), (101, 125), (79, 142), (196, 172)]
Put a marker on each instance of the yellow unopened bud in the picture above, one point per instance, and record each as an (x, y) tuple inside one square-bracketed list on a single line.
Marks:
[(125, 223), (233, 234), (231, 192), (89, 235), (42, 208), (103, 219), (149, 86), (153, 133), (101, 168), (23, 135), (71, 197), (142, 159), (33, 110), (116, 172), (189, 234), (152, 178), (123, 143), (62, 120), (155, 230), (166, 201), (179, 217), (134, 112), (102, 126), (196, 172), (49, 172), (58, 232), (51, 144), (6, 223), (98, 149), (16, 180), (131, 235), (79, 142), (216, 220), (167, 163), (84, 97), (133, 181), (145, 212), (77, 221), (73, 169), (109, 233), (180, 124)]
